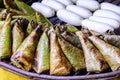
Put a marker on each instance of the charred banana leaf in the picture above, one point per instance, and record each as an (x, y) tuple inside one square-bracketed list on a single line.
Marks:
[(72, 38), (10, 4), (17, 36), (112, 39), (110, 53), (73, 54), (42, 57), (3, 14), (24, 55), (59, 65), (30, 27), (26, 9), (5, 39), (93, 58)]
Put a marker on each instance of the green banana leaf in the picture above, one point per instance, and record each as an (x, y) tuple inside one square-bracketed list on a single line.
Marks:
[(24, 55), (42, 57), (42, 19), (71, 28), (17, 36), (30, 27), (5, 39), (59, 65), (73, 54), (26, 9)]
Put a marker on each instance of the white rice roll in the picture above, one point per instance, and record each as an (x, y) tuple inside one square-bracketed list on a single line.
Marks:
[(69, 17), (53, 4), (89, 4), (81, 11), (112, 22), (65, 2), (110, 6), (96, 26), (107, 14), (45, 10)]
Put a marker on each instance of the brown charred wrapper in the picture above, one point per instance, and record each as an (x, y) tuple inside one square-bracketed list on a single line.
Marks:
[(17, 36), (41, 62), (94, 60), (110, 53), (73, 54), (59, 65), (24, 55)]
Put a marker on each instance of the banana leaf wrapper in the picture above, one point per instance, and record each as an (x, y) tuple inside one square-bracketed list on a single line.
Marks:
[(26, 9), (41, 63), (111, 39), (72, 38), (9, 4), (30, 27), (73, 54), (42, 19), (1, 24), (24, 55), (5, 39), (71, 28), (28, 17), (93, 58), (17, 36), (59, 64), (3, 14), (15, 12), (110, 53), (23, 23)]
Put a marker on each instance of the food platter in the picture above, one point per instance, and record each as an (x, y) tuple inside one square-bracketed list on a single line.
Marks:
[(33, 75)]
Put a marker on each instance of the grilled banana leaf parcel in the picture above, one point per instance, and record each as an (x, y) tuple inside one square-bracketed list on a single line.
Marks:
[(17, 36), (73, 54), (42, 57), (59, 65), (24, 55), (5, 39), (112, 39), (110, 53), (93, 58)]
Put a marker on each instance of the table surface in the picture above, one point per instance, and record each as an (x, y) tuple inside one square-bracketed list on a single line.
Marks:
[(6, 75)]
